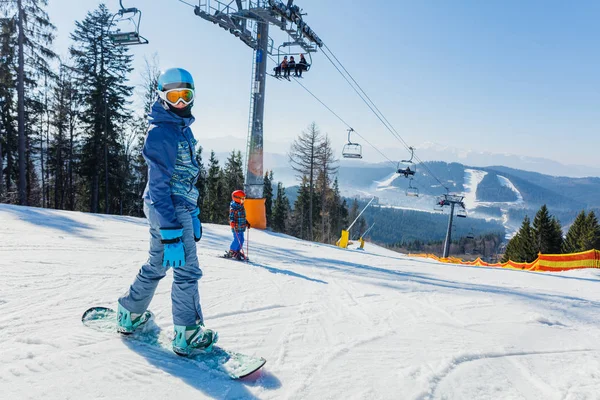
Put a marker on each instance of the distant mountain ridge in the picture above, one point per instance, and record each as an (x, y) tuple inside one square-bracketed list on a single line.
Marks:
[(494, 193)]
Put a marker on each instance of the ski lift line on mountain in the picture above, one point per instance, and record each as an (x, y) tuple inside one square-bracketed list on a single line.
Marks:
[(352, 150), (129, 18)]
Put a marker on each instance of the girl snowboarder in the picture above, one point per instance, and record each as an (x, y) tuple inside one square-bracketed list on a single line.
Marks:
[(170, 204)]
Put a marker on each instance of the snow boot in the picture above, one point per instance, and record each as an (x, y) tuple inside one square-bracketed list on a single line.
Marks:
[(128, 322), (231, 254), (189, 338)]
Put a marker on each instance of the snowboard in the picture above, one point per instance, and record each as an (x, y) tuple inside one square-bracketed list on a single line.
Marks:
[(235, 365)]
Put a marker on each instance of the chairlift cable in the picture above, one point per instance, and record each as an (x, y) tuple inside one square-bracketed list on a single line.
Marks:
[(344, 122), (186, 3), (395, 133), (381, 117)]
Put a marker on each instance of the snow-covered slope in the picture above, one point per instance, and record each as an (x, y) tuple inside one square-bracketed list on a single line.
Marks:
[(332, 323), (473, 178)]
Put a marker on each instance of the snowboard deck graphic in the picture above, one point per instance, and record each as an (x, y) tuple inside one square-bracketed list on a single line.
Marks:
[(235, 365)]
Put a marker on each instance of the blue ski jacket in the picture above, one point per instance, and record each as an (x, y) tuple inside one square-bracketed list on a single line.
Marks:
[(169, 151), (237, 215)]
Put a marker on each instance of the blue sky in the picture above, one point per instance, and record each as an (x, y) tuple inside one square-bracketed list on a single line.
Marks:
[(518, 77)]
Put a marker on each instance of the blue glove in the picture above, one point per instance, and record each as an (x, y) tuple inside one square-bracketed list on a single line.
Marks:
[(197, 225), (174, 255)]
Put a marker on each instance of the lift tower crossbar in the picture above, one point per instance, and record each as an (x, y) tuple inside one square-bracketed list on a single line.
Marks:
[(249, 21), (451, 200)]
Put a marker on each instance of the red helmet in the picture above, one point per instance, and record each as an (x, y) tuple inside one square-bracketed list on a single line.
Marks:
[(238, 196)]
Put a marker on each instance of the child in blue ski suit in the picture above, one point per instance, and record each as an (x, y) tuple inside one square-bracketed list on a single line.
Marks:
[(238, 223), (170, 204)]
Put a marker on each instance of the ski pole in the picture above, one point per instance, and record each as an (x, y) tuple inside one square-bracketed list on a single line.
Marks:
[(247, 244)]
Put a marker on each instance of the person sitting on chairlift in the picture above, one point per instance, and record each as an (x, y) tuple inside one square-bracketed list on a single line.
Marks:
[(301, 66), (290, 66), (281, 67), (406, 172)]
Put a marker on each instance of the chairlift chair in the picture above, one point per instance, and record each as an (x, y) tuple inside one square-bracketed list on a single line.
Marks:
[(352, 150), (407, 167), (288, 54), (439, 205), (126, 25), (412, 191), (471, 235), (461, 213)]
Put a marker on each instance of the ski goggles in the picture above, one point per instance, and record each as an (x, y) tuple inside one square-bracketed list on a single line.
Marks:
[(174, 96)]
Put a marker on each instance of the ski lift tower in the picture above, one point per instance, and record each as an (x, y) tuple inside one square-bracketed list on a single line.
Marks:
[(451, 200), (249, 21)]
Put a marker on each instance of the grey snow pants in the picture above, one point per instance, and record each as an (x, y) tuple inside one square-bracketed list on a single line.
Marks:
[(184, 292)]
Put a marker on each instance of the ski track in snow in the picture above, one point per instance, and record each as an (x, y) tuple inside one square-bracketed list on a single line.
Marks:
[(332, 323), (385, 184), (473, 178)]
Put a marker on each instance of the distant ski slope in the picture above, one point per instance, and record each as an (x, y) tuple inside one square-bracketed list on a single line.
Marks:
[(473, 178), (332, 323)]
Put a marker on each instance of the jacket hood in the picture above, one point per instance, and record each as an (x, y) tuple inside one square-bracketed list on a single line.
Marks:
[(159, 114)]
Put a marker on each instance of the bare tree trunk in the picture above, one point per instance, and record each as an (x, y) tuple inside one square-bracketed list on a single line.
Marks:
[(1, 168), (47, 205), (95, 179), (106, 205), (310, 193), (42, 160), (21, 108), (70, 192)]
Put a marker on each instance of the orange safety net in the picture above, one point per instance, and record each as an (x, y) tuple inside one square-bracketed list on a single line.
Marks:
[(544, 262)]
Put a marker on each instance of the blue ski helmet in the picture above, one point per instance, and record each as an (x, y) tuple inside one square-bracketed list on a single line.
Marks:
[(175, 78)]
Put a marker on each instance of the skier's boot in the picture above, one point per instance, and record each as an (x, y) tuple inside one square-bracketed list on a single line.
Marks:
[(189, 338), (127, 322), (231, 254)]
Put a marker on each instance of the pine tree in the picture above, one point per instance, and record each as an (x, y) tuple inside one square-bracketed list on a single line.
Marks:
[(304, 159), (522, 247), (215, 204), (528, 250), (281, 210), (590, 238), (572, 243), (58, 152), (147, 92), (327, 167), (300, 224), (201, 182), (8, 131), (338, 213), (353, 212), (102, 75), (268, 194), (233, 172), (556, 236), (34, 55), (547, 232)]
